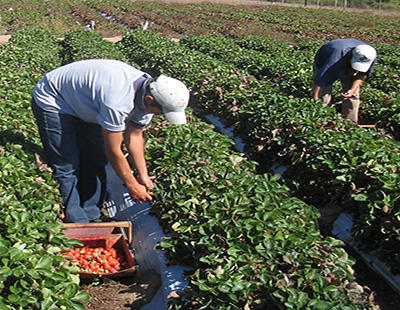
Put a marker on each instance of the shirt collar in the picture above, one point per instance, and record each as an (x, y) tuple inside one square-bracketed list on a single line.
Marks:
[(139, 87)]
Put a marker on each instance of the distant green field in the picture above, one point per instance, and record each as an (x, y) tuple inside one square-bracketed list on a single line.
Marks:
[(285, 23)]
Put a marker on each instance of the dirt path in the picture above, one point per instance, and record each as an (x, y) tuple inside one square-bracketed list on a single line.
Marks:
[(113, 39), (130, 294), (4, 38)]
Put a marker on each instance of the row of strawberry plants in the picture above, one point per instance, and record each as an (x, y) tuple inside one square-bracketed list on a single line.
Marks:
[(289, 21), (32, 274), (292, 73), (82, 44), (180, 19), (331, 161), (250, 244), (20, 14), (57, 16)]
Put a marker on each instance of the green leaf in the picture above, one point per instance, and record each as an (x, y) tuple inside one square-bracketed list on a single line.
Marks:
[(360, 197), (203, 287), (44, 263), (341, 178), (166, 244), (3, 251), (81, 297), (13, 298), (71, 290), (46, 292), (238, 286), (47, 304), (320, 305), (224, 288), (78, 306), (16, 289)]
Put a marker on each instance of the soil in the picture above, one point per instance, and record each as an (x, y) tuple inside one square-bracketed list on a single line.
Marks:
[(122, 294), (113, 39), (4, 38)]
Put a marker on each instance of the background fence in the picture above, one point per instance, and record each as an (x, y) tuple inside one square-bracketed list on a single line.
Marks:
[(359, 4)]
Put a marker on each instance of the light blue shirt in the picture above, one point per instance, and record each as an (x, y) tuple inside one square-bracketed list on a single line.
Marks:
[(98, 91)]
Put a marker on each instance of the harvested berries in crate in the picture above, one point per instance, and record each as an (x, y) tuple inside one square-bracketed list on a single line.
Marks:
[(105, 251), (97, 260)]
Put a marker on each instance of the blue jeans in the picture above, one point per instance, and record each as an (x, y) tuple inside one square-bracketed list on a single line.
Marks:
[(75, 151)]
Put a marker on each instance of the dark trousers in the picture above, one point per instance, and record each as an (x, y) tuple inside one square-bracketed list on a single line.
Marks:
[(75, 152)]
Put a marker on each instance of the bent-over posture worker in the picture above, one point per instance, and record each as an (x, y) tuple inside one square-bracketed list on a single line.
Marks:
[(85, 112), (348, 60)]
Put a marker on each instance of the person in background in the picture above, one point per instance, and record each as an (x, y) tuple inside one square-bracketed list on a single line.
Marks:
[(348, 60), (85, 112)]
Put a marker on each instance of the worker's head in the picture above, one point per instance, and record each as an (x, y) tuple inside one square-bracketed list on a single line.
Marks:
[(362, 57), (168, 96)]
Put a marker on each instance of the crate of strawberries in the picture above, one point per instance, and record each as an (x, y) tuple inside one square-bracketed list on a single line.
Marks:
[(104, 251)]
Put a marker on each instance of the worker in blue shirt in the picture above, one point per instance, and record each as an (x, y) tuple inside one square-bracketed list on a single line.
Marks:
[(348, 60), (85, 112)]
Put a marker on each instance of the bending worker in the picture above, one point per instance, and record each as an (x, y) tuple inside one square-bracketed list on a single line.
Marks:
[(348, 60), (85, 112)]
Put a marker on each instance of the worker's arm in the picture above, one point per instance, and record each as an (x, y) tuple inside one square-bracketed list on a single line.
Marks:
[(134, 142), (316, 92), (113, 147), (354, 87)]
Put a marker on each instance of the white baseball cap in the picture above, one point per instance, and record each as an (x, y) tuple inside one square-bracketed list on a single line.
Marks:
[(173, 96), (362, 57)]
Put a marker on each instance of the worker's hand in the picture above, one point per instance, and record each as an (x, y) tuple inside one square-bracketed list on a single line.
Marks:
[(316, 92), (139, 193), (348, 94), (145, 180)]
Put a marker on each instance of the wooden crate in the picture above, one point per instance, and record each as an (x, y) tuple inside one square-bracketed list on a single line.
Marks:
[(107, 235)]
